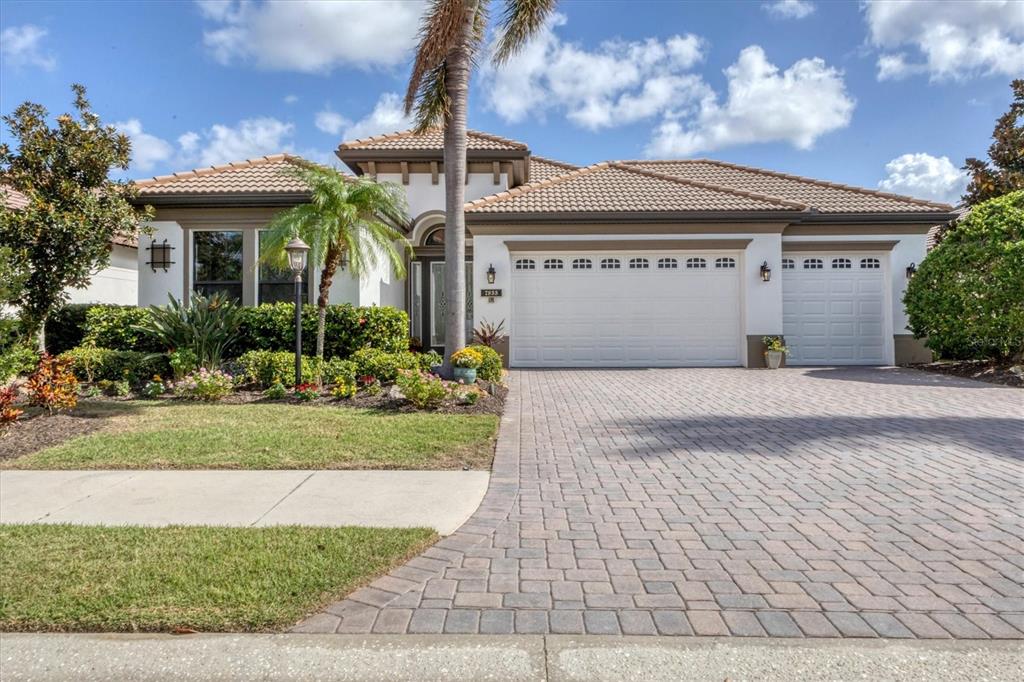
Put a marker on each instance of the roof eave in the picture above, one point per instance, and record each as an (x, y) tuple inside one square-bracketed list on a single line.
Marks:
[(924, 217), (654, 217), (223, 199)]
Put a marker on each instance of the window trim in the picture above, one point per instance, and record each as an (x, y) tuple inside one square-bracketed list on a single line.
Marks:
[(582, 264), (668, 263), (696, 263), (525, 264), (611, 263), (554, 264), (725, 263)]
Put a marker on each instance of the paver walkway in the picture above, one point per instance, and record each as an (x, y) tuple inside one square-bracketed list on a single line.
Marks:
[(803, 502)]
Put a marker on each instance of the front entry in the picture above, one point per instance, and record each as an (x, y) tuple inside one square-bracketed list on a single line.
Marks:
[(429, 303)]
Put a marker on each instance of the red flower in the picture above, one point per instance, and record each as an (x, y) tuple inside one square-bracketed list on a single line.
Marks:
[(362, 321)]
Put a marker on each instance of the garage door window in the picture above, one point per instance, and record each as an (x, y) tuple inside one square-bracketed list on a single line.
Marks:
[(788, 264), (813, 264), (725, 262), (553, 264), (841, 264), (870, 263), (696, 263), (526, 264), (667, 264), (610, 264), (639, 264), (582, 264)]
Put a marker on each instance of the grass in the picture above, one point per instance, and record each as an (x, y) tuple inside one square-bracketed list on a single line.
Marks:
[(165, 435), (91, 578)]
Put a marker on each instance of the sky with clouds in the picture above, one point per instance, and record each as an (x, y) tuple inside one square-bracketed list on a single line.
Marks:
[(893, 95)]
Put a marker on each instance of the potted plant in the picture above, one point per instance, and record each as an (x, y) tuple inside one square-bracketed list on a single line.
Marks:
[(465, 363), (775, 349)]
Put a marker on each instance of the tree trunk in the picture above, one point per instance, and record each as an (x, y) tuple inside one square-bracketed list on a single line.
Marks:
[(458, 64), (331, 262)]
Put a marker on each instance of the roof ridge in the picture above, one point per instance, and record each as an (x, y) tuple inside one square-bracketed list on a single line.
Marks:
[(360, 142), (554, 162), (804, 178), (531, 186), (219, 168), (624, 165), (498, 138)]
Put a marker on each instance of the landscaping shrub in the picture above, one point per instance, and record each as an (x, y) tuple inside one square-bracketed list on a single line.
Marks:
[(423, 389), (8, 413), (265, 368), (427, 361), (205, 385), (382, 365), (490, 365), (207, 326), (53, 385), (307, 392), (114, 389), (966, 295), (65, 327), (276, 392), (90, 364), (120, 328), (17, 360)]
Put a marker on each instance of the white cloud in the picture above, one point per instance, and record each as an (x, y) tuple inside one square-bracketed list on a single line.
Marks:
[(796, 106), (148, 150), (925, 176), (189, 142), (248, 139), (291, 99), (311, 36), (331, 122), (21, 46), (388, 115), (620, 82), (950, 39), (789, 9)]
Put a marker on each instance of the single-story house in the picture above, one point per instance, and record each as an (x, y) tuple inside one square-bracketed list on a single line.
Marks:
[(620, 263), (117, 283)]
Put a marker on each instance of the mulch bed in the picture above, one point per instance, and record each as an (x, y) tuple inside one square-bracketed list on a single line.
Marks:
[(979, 370), (36, 432)]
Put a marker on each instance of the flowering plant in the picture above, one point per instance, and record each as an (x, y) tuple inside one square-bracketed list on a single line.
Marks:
[(370, 384), (307, 391), (154, 387), (276, 391), (775, 344), (467, 358), (422, 389), (205, 385), (344, 387)]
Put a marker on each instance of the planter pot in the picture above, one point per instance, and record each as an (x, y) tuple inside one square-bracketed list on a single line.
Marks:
[(465, 375), (773, 358)]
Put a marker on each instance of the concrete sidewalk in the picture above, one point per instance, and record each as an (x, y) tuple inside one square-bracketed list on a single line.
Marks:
[(442, 500), (479, 657)]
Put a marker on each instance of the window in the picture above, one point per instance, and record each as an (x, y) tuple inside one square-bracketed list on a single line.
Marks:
[(435, 238), (788, 264), (870, 263), (276, 282), (841, 264), (667, 264), (582, 264), (526, 264), (610, 264), (696, 263), (725, 262), (553, 264), (813, 264), (639, 264), (217, 263)]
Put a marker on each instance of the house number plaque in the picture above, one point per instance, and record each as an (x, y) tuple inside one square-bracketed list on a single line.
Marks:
[(490, 294)]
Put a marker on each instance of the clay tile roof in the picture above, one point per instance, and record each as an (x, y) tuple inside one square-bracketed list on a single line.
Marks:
[(612, 186), (256, 176), (431, 139), (825, 197), (12, 198), (544, 169)]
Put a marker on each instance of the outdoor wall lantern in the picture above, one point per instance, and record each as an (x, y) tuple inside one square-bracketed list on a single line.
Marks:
[(766, 272), (490, 274), (160, 255), (297, 251), (911, 270)]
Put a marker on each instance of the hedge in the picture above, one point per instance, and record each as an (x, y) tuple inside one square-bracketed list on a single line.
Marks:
[(265, 368), (65, 327), (90, 363), (490, 369)]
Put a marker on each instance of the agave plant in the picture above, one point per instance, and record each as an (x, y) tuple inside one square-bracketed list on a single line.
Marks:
[(206, 326)]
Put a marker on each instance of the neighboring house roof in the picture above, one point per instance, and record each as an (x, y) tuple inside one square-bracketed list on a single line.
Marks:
[(544, 169), (15, 200), (935, 234), (619, 188), (432, 139), (264, 177), (825, 197)]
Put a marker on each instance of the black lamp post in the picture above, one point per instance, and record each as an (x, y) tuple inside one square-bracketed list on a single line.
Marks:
[(297, 250)]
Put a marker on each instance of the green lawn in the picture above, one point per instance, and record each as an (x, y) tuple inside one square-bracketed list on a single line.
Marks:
[(166, 435), (91, 578)]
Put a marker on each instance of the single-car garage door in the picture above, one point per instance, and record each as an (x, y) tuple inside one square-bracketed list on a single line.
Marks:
[(625, 310), (833, 309)]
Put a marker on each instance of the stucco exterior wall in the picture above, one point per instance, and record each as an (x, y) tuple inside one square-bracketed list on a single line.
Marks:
[(154, 286), (117, 283)]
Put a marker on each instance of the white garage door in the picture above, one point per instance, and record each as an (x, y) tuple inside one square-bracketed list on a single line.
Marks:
[(625, 310), (833, 309)]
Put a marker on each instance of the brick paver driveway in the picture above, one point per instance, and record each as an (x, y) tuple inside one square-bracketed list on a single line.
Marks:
[(819, 503)]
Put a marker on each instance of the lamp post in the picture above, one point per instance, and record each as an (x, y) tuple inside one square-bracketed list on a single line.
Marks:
[(297, 250)]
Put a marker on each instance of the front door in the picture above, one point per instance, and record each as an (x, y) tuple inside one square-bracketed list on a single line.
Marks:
[(429, 303)]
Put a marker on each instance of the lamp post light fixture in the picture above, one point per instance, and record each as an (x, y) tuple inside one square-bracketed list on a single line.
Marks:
[(911, 270), (491, 274), (297, 251), (766, 272)]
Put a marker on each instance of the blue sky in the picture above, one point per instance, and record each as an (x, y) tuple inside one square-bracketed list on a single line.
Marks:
[(874, 94)]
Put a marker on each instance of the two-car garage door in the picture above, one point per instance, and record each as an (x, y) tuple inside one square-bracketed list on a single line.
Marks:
[(609, 309)]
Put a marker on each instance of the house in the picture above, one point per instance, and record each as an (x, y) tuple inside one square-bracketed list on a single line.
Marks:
[(116, 283), (621, 263)]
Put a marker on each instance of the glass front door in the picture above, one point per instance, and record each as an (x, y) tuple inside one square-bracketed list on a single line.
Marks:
[(429, 303)]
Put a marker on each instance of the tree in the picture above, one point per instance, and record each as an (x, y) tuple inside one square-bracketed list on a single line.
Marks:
[(967, 297), (1004, 172), (450, 37), (74, 209), (347, 219)]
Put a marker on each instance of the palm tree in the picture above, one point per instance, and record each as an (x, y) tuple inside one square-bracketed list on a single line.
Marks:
[(351, 220), (450, 38)]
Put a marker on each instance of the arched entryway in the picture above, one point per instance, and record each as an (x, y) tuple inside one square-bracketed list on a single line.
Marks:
[(427, 300)]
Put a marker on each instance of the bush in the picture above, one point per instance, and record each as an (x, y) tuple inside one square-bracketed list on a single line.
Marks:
[(90, 364), (307, 392), (17, 360), (65, 327), (490, 366), (421, 388), (8, 413), (382, 365), (207, 326), (205, 385), (966, 295), (114, 389), (265, 368), (276, 392), (53, 385), (429, 360), (120, 328)]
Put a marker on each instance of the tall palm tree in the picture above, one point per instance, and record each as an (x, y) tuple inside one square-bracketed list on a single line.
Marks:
[(450, 38), (347, 219)]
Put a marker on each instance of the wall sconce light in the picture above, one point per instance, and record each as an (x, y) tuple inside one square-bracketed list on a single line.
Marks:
[(766, 272), (911, 270), (491, 274), (160, 255)]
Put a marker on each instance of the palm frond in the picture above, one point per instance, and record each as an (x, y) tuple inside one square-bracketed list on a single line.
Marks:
[(439, 33), (520, 21), (432, 100)]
